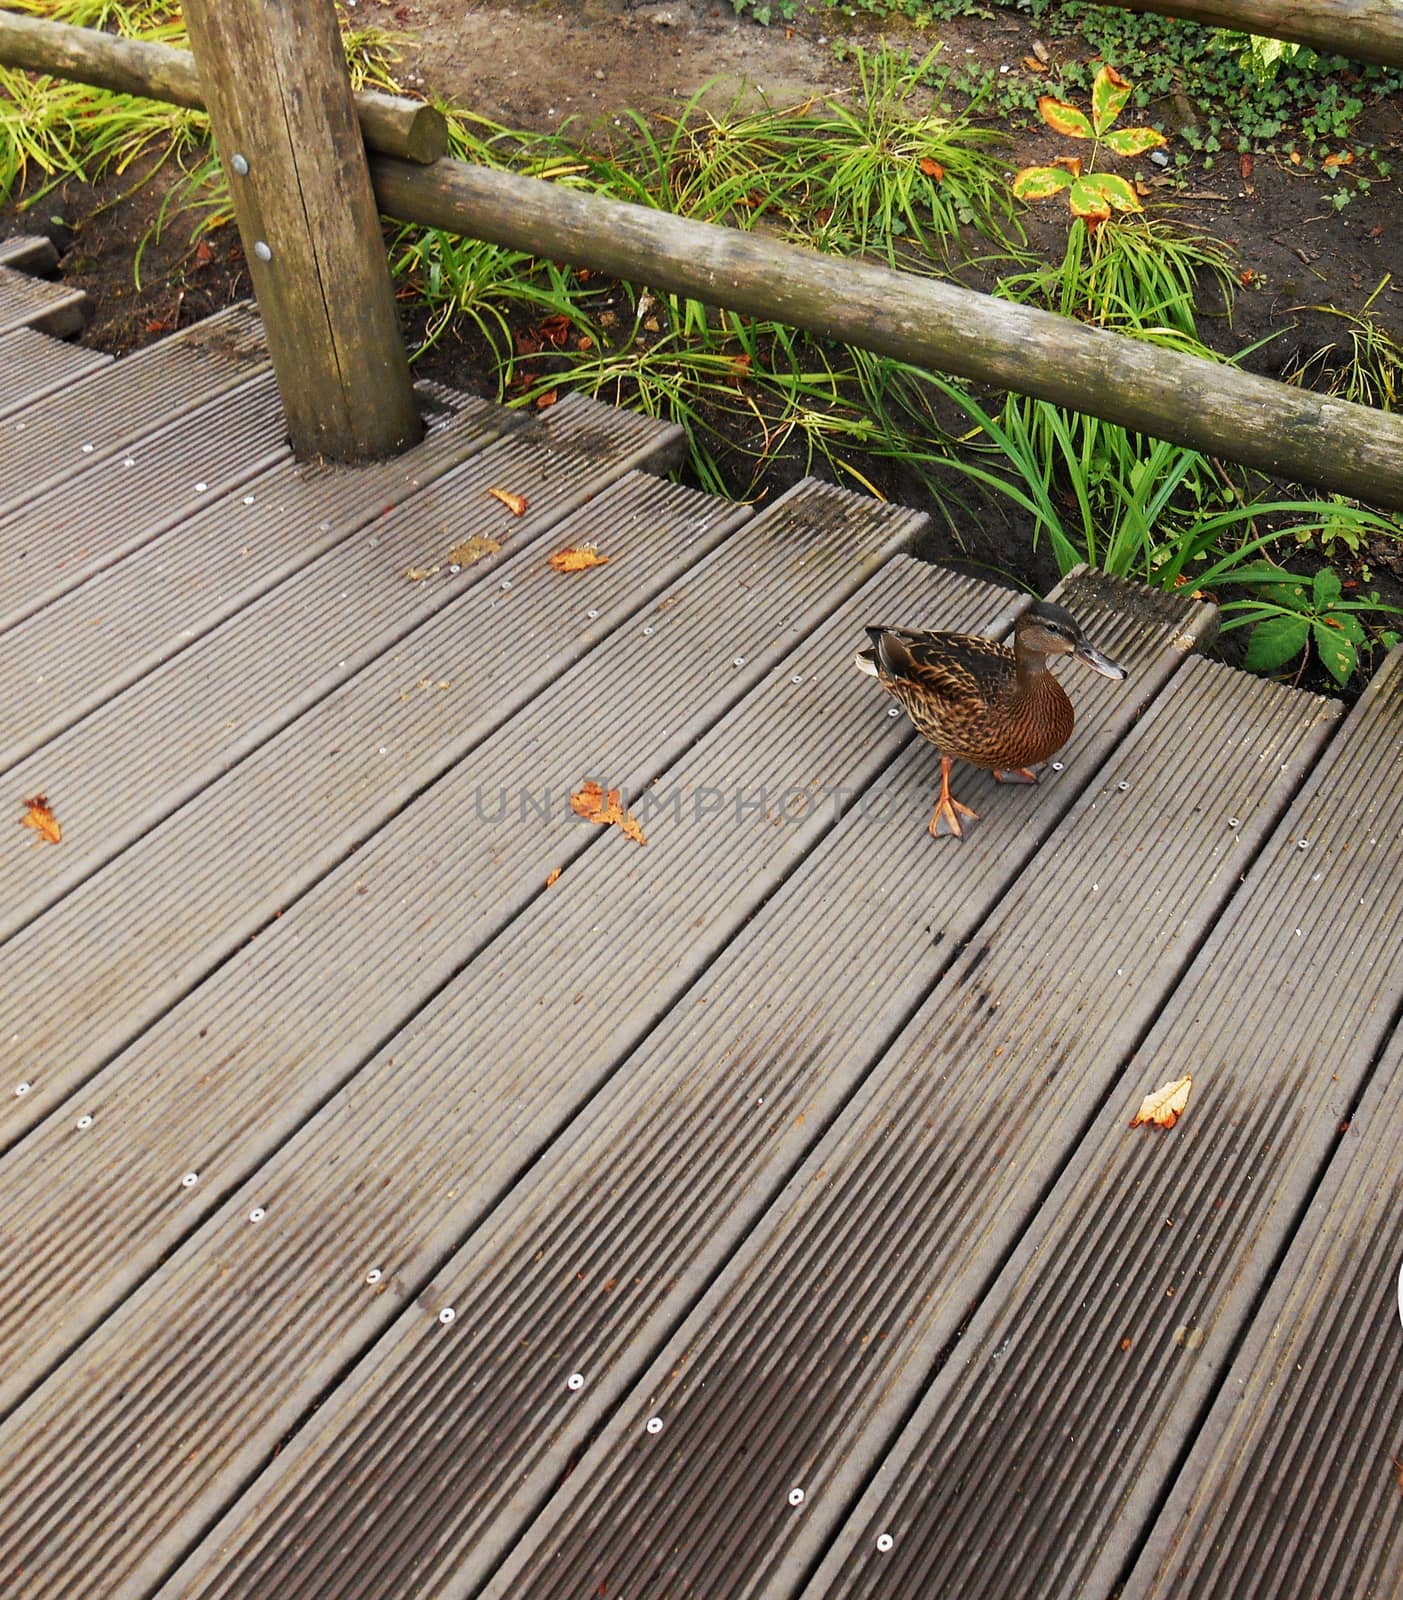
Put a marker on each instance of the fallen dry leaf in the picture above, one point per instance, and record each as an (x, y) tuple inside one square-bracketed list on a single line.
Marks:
[(515, 503), (932, 168), (1034, 65), (1344, 158), (576, 558), (603, 806), (474, 549), (1165, 1105), (418, 574), (552, 877), (543, 401), (41, 819)]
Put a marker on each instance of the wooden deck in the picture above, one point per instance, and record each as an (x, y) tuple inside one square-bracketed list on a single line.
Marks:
[(409, 1188)]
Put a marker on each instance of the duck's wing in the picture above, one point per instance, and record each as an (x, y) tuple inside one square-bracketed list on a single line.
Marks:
[(952, 666)]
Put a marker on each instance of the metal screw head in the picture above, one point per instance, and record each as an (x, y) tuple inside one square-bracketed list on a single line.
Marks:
[(21, 1089), (1057, 766), (262, 250), (189, 1180), (374, 1275), (239, 164), (884, 1542), (893, 711), (447, 1315), (85, 1121), (1303, 844), (1122, 786), (1234, 822), (654, 1425), (506, 583), (576, 1380), (647, 633), (257, 1214), (592, 613), (739, 661), (796, 1497)]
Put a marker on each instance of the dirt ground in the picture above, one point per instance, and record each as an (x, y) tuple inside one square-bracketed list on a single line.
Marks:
[(540, 63)]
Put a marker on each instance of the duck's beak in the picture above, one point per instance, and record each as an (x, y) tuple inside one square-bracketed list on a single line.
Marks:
[(1098, 662)]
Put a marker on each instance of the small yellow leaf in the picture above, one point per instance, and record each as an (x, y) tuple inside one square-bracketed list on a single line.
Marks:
[(474, 549), (1166, 1105), (41, 819), (577, 558), (515, 503), (418, 574), (1033, 64)]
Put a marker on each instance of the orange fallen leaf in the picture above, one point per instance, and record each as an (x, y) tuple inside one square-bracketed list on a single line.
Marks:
[(1246, 276), (604, 807), (576, 558), (1166, 1104), (547, 399), (1345, 158), (41, 819), (515, 503), (932, 168), (1033, 64), (1295, 158), (552, 877)]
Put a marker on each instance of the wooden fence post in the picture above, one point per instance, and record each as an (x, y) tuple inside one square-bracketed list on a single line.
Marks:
[(279, 98)]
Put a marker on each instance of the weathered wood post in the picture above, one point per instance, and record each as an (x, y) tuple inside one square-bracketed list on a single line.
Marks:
[(279, 96)]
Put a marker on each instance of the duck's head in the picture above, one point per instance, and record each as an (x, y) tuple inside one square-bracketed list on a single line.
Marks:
[(1046, 630)]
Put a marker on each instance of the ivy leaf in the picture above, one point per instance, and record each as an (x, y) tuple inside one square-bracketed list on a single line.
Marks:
[(1114, 191), (1108, 96), (1063, 118), (1036, 183), (1276, 641), (1337, 653), (1087, 200), (1134, 141)]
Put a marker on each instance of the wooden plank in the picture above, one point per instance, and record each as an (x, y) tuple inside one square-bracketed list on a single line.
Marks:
[(28, 252), (52, 308), (678, 1152), (1127, 1296), (284, 123), (1211, 407), (813, 548), (119, 773), (877, 1249), (392, 124), (63, 434), (1291, 1486), (33, 365)]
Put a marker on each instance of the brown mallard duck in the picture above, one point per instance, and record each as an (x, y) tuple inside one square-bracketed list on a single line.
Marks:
[(986, 703)]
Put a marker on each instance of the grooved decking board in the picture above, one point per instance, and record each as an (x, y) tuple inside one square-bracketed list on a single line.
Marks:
[(312, 790), (822, 1328), (53, 544), (1291, 1489), (122, 770), (693, 1131), (27, 302), (631, 708), (30, 251), (33, 365), (279, 541), (67, 432), (1164, 1239)]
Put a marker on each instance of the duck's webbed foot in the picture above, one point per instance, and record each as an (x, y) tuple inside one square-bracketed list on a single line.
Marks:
[(946, 818), (1015, 775)]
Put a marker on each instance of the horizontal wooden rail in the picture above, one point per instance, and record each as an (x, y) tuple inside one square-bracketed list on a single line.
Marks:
[(391, 124), (1290, 433), (1363, 30)]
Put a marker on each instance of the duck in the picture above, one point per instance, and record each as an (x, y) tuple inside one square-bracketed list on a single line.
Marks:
[(985, 703)]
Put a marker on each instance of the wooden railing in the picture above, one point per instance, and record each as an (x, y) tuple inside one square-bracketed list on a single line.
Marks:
[(284, 122)]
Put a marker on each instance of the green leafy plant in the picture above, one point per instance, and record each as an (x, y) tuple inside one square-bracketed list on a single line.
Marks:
[(1289, 614), (1091, 195)]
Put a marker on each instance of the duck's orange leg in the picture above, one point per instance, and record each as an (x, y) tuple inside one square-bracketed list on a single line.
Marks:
[(1015, 775), (948, 810)]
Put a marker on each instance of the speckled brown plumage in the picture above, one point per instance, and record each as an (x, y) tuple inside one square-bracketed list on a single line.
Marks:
[(989, 704)]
